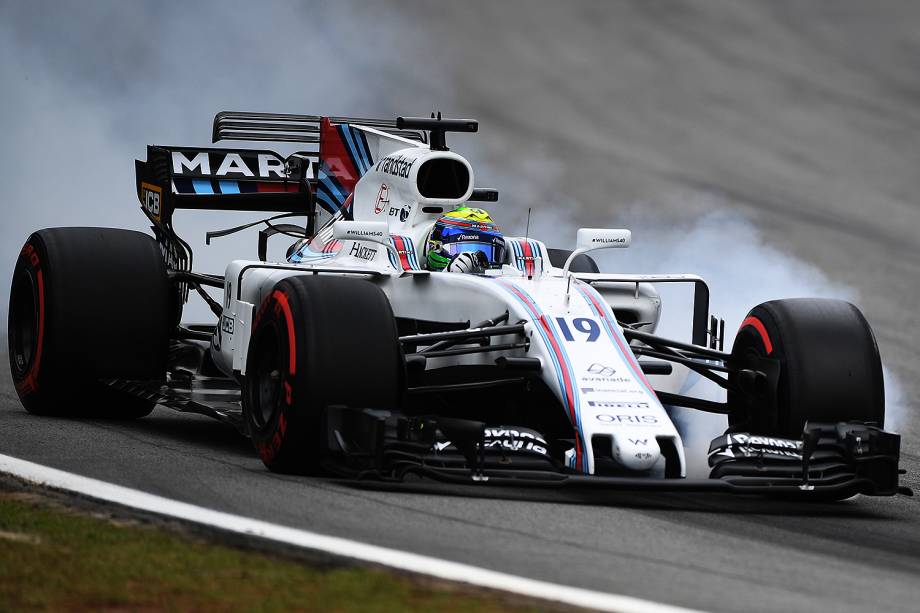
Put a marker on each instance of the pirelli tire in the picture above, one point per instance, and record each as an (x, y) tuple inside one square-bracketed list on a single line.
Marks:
[(88, 304), (582, 263), (829, 366), (317, 341)]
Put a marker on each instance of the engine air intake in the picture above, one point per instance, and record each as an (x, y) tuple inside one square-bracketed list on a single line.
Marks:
[(443, 178)]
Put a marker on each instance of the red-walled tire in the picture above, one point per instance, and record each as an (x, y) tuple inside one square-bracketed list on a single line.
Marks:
[(830, 369), (317, 341), (87, 304), (582, 263)]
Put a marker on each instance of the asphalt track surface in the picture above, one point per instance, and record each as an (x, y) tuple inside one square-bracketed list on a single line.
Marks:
[(805, 116)]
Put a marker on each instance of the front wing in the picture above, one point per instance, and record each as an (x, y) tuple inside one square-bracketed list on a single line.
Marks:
[(830, 461)]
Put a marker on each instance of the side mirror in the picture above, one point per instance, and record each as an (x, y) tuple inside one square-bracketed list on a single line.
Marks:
[(372, 231), (369, 231), (591, 239)]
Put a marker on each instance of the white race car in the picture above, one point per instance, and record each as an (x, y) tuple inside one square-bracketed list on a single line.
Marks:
[(405, 335)]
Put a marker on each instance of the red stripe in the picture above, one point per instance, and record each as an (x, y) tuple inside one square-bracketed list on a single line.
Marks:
[(292, 348), (41, 323), (467, 224), (528, 253), (402, 251), (277, 187), (637, 369), (30, 383), (569, 391), (335, 157), (761, 329), (567, 382)]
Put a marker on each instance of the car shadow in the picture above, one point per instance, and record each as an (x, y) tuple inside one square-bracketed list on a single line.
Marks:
[(186, 428), (715, 503)]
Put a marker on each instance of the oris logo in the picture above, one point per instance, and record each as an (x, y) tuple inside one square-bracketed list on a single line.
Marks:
[(636, 420)]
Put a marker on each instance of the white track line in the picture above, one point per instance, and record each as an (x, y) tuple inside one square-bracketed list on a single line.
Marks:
[(443, 569)]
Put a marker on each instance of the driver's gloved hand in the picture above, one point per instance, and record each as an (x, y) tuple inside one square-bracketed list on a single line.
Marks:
[(468, 263)]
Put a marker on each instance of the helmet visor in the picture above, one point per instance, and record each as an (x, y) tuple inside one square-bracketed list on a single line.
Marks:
[(495, 253)]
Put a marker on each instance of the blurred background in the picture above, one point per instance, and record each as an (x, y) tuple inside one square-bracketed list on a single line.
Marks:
[(769, 146)]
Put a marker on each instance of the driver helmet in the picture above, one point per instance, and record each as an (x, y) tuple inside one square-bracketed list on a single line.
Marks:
[(465, 230)]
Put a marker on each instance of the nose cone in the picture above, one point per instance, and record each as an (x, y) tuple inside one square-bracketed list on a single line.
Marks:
[(635, 451)]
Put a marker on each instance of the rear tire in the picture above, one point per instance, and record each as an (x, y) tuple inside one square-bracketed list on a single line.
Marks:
[(317, 341), (582, 263), (830, 369), (87, 304)]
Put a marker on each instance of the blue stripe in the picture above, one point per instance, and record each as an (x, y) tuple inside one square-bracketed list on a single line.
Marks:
[(410, 251), (334, 190), (549, 346), (229, 187), (310, 255), (561, 380), (332, 185), (518, 255), (392, 257), (361, 139), (535, 250), (325, 201), (329, 192), (606, 322), (202, 186), (348, 137)]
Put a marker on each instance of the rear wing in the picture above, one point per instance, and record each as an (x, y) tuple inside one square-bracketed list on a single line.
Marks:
[(199, 178), (283, 127), (338, 150)]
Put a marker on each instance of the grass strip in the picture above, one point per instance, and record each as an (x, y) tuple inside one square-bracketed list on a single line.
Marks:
[(55, 558)]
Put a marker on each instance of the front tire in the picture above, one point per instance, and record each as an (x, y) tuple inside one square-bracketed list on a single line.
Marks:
[(87, 304), (829, 366), (317, 341), (582, 263)]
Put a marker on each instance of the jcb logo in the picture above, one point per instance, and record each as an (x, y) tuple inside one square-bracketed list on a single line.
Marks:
[(152, 195)]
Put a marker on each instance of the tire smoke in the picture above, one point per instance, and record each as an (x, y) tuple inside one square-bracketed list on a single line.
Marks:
[(712, 239)]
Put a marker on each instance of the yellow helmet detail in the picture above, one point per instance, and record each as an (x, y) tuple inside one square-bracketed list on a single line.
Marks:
[(470, 214)]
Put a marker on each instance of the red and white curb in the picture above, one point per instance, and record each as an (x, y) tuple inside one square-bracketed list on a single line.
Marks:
[(424, 565)]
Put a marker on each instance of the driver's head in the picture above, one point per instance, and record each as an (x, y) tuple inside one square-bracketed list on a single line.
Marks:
[(465, 230)]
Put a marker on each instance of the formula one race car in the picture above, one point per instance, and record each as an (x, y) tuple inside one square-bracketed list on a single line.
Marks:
[(404, 335)]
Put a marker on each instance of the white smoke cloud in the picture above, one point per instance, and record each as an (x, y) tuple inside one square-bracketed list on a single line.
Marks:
[(87, 86), (686, 232)]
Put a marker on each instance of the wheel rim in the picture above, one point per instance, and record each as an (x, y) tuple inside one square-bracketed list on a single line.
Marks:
[(268, 380), (23, 324)]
